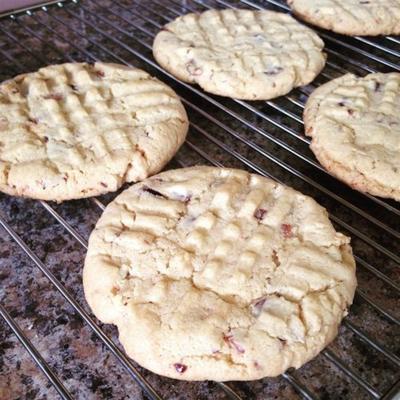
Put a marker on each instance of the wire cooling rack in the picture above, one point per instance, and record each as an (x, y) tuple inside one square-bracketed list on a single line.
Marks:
[(42, 245)]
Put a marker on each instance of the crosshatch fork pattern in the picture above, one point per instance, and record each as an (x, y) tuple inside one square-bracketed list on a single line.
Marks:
[(123, 34), (244, 53), (52, 114), (173, 255)]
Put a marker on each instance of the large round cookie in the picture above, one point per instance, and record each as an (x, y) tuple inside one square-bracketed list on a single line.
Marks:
[(355, 128), (218, 274), (351, 17), (77, 130), (240, 53)]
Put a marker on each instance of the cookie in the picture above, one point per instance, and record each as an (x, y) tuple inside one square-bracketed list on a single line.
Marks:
[(354, 124), (77, 130), (244, 54), (218, 274), (351, 17)]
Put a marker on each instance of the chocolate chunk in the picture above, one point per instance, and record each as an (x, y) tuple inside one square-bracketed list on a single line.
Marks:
[(181, 368), (286, 230), (273, 71), (229, 339), (377, 87), (193, 69), (260, 213), (275, 258), (257, 305), (54, 96), (153, 192)]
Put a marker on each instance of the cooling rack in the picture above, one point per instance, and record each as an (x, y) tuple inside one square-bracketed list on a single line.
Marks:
[(52, 346)]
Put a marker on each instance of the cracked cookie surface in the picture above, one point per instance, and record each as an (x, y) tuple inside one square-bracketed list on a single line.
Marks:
[(354, 124), (242, 54), (218, 274), (77, 130), (351, 17)]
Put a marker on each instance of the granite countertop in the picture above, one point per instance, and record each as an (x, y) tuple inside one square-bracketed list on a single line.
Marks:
[(86, 367)]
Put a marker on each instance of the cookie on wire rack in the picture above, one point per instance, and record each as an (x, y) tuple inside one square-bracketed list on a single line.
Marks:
[(354, 124), (351, 17), (77, 130), (244, 54), (218, 274)]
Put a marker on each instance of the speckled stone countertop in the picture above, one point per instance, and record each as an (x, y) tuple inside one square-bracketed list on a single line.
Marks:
[(70, 347)]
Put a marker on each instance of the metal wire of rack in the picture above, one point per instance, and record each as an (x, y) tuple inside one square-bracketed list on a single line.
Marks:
[(263, 137)]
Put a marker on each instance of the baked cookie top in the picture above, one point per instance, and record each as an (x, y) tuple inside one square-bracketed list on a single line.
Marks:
[(77, 130), (354, 124), (351, 17), (243, 54), (218, 274)]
